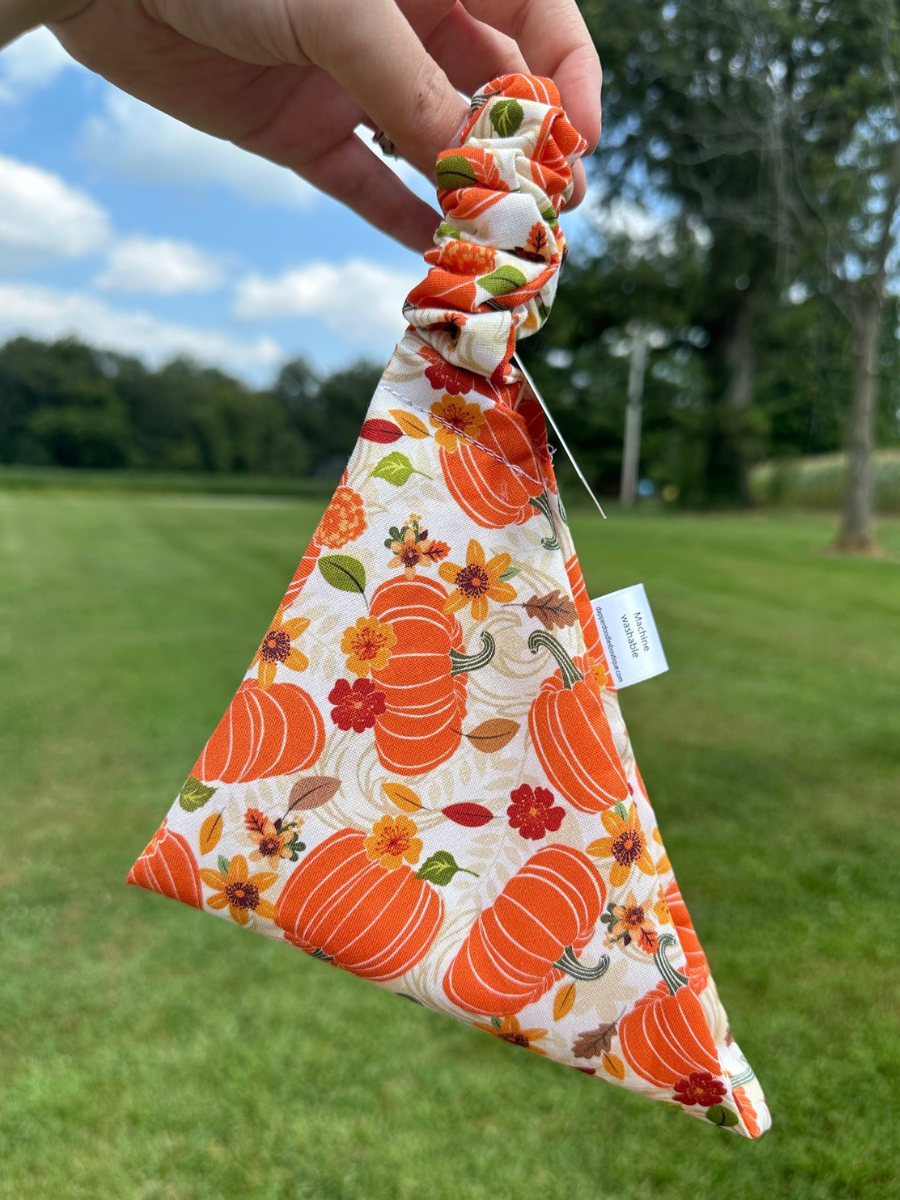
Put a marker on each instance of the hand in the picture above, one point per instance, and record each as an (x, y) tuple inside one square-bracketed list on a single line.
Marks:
[(290, 79)]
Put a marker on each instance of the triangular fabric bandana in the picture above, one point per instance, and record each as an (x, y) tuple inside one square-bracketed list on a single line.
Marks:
[(424, 777)]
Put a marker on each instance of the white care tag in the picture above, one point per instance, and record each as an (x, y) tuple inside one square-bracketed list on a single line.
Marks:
[(630, 638)]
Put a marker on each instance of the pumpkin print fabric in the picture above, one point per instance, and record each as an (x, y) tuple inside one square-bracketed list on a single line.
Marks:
[(424, 777)]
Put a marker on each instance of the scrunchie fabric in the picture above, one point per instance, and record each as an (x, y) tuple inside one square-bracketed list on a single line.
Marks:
[(424, 777), (499, 250)]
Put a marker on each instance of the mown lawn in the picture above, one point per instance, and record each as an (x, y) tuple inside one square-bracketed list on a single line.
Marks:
[(151, 1052)]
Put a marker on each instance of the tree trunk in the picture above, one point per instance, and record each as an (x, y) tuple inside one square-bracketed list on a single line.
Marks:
[(855, 534), (727, 462)]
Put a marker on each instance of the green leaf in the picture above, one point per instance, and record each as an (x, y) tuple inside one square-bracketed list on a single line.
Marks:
[(621, 810), (510, 573), (503, 280), (440, 868), (394, 467), (454, 171), (343, 572), (506, 117), (447, 230), (720, 1115), (549, 215), (194, 795), (223, 864)]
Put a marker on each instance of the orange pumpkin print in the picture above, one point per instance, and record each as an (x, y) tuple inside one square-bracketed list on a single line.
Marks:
[(665, 1036), (304, 570), (494, 479), (530, 936), (571, 733), (375, 922), (697, 966), (421, 726), (265, 731), (168, 866), (588, 621)]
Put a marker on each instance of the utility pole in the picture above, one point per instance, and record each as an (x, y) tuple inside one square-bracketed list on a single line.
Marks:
[(631, 453)]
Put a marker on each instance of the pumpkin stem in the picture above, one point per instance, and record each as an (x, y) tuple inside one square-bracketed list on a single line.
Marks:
[(674, 979), (570, 673), (743, 1077), (471, 662), (578, 970), (542, 504)]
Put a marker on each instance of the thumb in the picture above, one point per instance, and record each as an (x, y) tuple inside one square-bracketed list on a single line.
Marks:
[(372, 51)]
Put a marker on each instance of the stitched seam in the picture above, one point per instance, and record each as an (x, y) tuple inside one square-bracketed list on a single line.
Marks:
[(412, 404)]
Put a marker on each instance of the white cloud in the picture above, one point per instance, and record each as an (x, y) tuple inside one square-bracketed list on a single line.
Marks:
[(160, 266), (42, 218), (44, 312), (133, 140), (358, 297), (31, 62)]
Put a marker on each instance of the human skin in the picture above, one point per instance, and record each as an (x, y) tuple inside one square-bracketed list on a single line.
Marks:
[(291, 79)]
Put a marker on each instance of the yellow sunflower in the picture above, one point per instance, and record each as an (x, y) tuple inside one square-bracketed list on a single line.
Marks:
[(477, 582), (240, 891), (367, 645), (455, 419), (278, 647), (393, 841), (626, 843), (510, 1031)]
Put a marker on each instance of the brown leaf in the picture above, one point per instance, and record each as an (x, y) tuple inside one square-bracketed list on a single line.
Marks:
[(552, 610), (563, 1000), (594, 1042), (210, 832), (492, 735), (312, 791)]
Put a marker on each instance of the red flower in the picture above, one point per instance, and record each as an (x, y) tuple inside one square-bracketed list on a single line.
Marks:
[(699, 1088), (532, 811), (356, 705)]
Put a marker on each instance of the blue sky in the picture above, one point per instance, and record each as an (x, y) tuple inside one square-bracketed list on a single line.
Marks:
[(134, 231)]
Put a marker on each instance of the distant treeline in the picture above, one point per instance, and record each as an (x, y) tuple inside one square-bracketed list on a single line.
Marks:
[(68, 404)]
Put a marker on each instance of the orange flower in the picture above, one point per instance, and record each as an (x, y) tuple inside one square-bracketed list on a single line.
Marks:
[(413, 545), (629, 922), (342, 521), (238, 890), (463, 258), (392, 841), (477, 582), (627, 844), (367, 645), (455, 419), (278, 647), (663, 865), (274, 839), (510, 1030)]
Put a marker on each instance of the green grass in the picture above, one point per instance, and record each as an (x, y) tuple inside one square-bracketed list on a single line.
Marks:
[(128, 480), (148, 1052)]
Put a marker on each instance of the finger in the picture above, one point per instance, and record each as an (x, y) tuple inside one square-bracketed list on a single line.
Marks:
[(579, 186), (470, 52), (376, 56), (553, 38), (352, 174)]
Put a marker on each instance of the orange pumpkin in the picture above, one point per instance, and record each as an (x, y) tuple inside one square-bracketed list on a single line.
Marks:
[(492, 492), (530, 936), (425, 692), (303, 572), (571, 733), (586, 617), (665, 1037), (265, 731), (168, 866), (747, 1111), (697, 966), (374, 922)]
